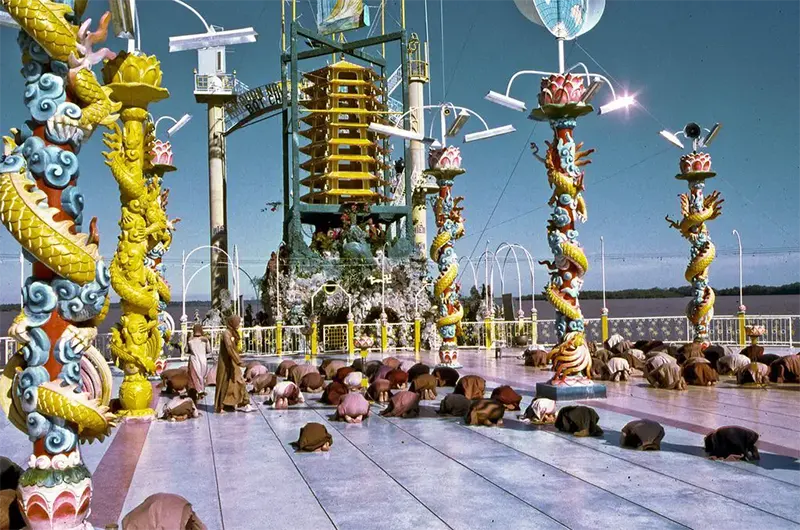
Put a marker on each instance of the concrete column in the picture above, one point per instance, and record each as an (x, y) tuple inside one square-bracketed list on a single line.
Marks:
[(217, 199), (417, 165)]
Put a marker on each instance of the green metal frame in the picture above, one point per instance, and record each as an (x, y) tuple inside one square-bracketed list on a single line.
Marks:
[(296, 212)]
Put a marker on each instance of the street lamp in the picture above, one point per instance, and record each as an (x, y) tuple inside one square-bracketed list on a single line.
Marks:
[(177, 124), (693, 132)]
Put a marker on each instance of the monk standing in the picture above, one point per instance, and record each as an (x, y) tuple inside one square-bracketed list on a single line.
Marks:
[(199, 348), (231, 388)]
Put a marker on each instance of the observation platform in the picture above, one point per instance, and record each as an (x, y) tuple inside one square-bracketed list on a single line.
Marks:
[(432, 472)]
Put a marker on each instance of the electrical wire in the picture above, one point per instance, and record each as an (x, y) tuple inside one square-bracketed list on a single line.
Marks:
[(441, 24)]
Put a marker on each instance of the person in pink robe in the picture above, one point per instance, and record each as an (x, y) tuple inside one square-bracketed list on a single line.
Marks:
[(199, 348)]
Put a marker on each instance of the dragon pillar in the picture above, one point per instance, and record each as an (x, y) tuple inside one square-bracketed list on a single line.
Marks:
[(560, 104), (696, 210), (135, 82), (56, 388), (445, 165)]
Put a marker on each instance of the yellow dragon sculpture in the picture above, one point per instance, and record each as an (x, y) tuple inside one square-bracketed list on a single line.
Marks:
[(696, 211), (57, 388)]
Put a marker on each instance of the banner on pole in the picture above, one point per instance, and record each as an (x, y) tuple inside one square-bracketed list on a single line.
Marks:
[(335, 16)]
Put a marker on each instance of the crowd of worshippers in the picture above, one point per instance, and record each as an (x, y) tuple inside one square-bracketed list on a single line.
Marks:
[(673, 367)]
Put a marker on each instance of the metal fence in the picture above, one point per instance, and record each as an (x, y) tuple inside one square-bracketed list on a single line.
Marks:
[(781, 331)]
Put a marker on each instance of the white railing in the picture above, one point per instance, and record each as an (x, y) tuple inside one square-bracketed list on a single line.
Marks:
[(781, 330)]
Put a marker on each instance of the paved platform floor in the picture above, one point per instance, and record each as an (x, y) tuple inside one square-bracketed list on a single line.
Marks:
[(432, 472)]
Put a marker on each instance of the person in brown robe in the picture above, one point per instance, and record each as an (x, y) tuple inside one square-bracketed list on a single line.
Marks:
[(392, 362), (454, 405), (753, 351), (175, 380), (599, 369), (179, 409), (647, 345), (536, 358), (579, 421), (425, 387), (602, 354), (768, 358), (487, 412), (284, 367), (617, 369), (342, 373), (10, 515), (333, 393), (507, 396), (446, 376), (313, 437), (699, 373), (417, 370), (472, 386), (163, 511), (714, 353), (312, 383), (754, 374), (263, 384), (667, 376), (332, 367), (403, 404), (398, 379), (645, 435), (297, 372), (785, 370), (733, 443), (379, 391), (231, 388), (730, 364), (689, 350)]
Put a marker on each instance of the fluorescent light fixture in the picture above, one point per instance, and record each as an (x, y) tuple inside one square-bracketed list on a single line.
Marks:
[(619, 103), (123, 13), (431, 141), (7, 21), (395, 131), (672, 138), (179, 124), (460, 121), (591, 91), (711, 134), (489, 133), (208, 40), (506, 101)]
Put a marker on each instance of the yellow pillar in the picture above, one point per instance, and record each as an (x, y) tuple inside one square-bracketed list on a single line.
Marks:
[(604, 324), (279, 337), (417, 337), (313, 338), (364, 380), (489, 325), (350, 338), (534, 327), (742, 322), (384, 337)]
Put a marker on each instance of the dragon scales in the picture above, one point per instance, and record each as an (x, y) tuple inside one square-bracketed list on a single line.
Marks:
[(696, 210), (560, 104), (445, 165), (136, 341), (57, 387)]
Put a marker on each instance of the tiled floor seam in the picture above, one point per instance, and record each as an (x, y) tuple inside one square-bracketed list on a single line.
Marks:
[(513, 494), (214, 464), (294, 464), (341, 433)]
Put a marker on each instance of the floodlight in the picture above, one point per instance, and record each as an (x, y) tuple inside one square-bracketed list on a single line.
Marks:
[(672, 138), (7, 21), (591, 91), (711, 134), (435, 144), (506, 101), (179, 124), (123, 15), (692, 130), (489, 133), (395, 131), (619, 103), (212, 39), (461, 120)]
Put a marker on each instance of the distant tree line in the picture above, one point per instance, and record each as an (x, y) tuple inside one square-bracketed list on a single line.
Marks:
[(680, 292)]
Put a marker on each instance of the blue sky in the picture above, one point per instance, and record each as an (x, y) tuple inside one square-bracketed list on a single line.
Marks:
[(736, 62)]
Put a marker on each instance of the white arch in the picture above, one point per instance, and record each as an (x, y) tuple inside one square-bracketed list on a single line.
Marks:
[(474, 270), (512, 247), (183, 276)]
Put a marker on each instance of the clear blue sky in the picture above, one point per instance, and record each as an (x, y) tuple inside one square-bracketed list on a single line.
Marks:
[(736, 62)]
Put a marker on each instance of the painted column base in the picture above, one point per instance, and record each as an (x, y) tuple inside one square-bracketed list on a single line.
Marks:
[(448, 356), (567, 392), (63, 506)]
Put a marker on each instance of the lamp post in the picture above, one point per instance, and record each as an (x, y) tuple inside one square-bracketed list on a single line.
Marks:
[(604, 310), (695, 169), (444, 163), (279, 316), (740, 313)]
